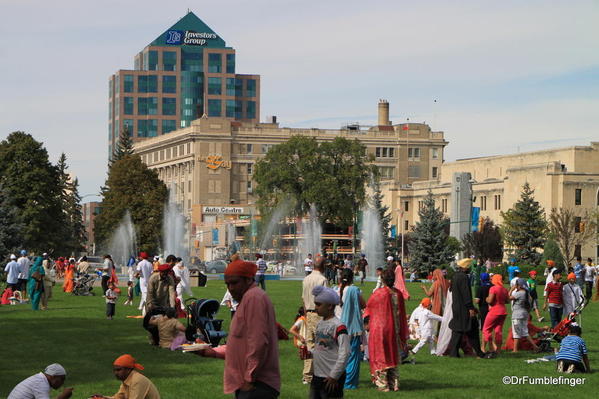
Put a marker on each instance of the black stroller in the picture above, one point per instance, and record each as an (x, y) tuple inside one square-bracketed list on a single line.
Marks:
[(201, 323), (83, 284)]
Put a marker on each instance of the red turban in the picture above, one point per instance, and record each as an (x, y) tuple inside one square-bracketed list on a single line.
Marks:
[(550, 263), (241, 268), (165, 267), (127, 361), (143, 255)]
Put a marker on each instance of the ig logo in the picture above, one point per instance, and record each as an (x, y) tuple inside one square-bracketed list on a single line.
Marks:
[(174, 37)]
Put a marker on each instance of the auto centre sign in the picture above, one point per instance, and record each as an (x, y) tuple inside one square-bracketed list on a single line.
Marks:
[(224, 210), (189, 37)]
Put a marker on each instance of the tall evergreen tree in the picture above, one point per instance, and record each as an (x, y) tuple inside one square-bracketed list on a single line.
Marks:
[(383, 211), (10, 226), (33, 186), (430, 247), (75, 219), (525, 227), (124, 147), (132, 186)]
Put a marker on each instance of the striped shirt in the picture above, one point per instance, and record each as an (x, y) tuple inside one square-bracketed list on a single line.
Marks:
[(572, 348), (34, 387), (554, 293), (261, 263)]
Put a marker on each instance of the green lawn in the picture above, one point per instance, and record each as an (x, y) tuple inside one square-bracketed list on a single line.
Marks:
[(76, 334)]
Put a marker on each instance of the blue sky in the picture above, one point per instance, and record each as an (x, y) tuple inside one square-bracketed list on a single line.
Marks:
[(507, 76)]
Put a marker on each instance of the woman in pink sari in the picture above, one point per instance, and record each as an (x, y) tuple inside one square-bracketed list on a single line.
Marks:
[(400, 283), (388, 333)]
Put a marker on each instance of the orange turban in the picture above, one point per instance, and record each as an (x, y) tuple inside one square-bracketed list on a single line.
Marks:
[(128, 362), (571, 276), (497, 279), (241, 268), (426, 302), (550, 263)]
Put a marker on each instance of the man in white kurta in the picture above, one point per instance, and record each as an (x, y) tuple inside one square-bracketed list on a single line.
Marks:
[(426, 321), (144, 271), (182, 272), (572, 294)]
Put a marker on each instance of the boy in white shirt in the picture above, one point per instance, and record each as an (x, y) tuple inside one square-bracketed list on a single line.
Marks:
[(425, 321), (111, 296)]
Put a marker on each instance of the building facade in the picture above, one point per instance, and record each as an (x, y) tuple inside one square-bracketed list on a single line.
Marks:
[(210, 165), (90, 210), (187, 72), (561, 177)]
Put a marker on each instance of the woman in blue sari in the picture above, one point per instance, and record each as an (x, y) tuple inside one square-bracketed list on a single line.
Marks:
[(352, 304), (35, 285)]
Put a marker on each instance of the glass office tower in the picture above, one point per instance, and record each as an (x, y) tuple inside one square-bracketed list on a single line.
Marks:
[(187, 72)]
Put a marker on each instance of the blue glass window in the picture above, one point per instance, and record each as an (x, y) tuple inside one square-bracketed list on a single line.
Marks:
[(230, 87), (128, 105), (169, 84), (152, 84), (169, 60), (230, 113), (214, 108), (152, 60), (238, 109), (142, 128), (238, 88), (168, 125), (230, 63), (250, 110), (142, 84), (152, 106), (128, 84), (250, 88), (214, 63), (169, 106), (192, 61), (152, 128), (142, 106), (214, 86), (128, 124)]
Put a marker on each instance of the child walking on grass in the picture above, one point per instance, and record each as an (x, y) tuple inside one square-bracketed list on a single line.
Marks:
[(331, 347), (129, 300), (111, 296), (427, 326)]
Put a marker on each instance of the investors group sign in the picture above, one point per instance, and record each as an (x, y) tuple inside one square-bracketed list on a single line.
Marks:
[(188, 37)]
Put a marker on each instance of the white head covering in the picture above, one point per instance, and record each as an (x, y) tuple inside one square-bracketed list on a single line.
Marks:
[(389, 257), (55, 369), (13, 256)]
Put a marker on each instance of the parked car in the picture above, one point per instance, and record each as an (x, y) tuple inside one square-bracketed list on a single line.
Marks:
[(216, 266)]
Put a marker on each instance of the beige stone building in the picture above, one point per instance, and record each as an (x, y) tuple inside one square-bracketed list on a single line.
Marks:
[(210, 165), (562, 177)]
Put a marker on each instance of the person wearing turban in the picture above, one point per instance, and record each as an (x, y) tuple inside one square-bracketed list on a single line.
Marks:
[(134, 385), (493, 327), (252, 351), (554, 298), (41, 384), (427, 326), (572, 294), (161, 288)]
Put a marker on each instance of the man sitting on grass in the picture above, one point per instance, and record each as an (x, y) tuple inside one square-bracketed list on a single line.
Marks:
[(134, 385), (572, 356), (41, 384)]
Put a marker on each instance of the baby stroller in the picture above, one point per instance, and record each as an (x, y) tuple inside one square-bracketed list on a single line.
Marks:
[(201, 323), (561, 330), (83, 284)]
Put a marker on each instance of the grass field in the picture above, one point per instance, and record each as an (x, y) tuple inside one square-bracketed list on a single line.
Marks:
[(75, 333)]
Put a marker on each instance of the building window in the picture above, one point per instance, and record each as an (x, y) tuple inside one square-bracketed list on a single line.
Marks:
[(249, 168), (128, 124), (385, 152), (169, 61), (128, 101), (152, 64), (266, 148), (128, 84), (250, 88), (406, 206), (142, 129), (444, 205), (483, 203), (230, 86), (577, 224), (142, 106), (577, 251), (414, 171), (169, 84), (230, 108), (238, 88), (250, 111), (214, 108), (249, 187), (169, 106), (414, 154), (214, 86), (578, 196), (497, 199), (434, 172), (248, 148), (435, 153), (168, 125), (406, 225), (386, 172), (214, 63), (230, 63)]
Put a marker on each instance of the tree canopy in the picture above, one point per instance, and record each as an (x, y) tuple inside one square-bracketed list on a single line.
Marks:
[(124, 147), (486, 243), (570, 230)]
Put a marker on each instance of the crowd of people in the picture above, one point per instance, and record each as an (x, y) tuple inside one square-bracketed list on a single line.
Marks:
[(336, 329)]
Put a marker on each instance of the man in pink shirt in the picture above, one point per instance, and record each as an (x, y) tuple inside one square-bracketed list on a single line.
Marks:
[(252, 351)]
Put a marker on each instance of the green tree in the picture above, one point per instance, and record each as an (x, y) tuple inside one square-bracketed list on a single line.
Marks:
[(570, 231), (10, 227), (524, 227), (33, 184), (132, 186), (330, 175), (72, 229), (430, 247), (383, 211), (486, 243), (124, 147), (551, 252)]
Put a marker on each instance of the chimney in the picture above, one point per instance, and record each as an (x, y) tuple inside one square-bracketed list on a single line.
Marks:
[(384, 113)]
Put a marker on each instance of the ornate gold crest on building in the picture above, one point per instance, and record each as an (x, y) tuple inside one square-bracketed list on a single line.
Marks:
[(215, 162)]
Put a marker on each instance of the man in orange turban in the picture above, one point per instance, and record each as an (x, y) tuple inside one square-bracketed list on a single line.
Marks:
[(572, 295), (134, 385)]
